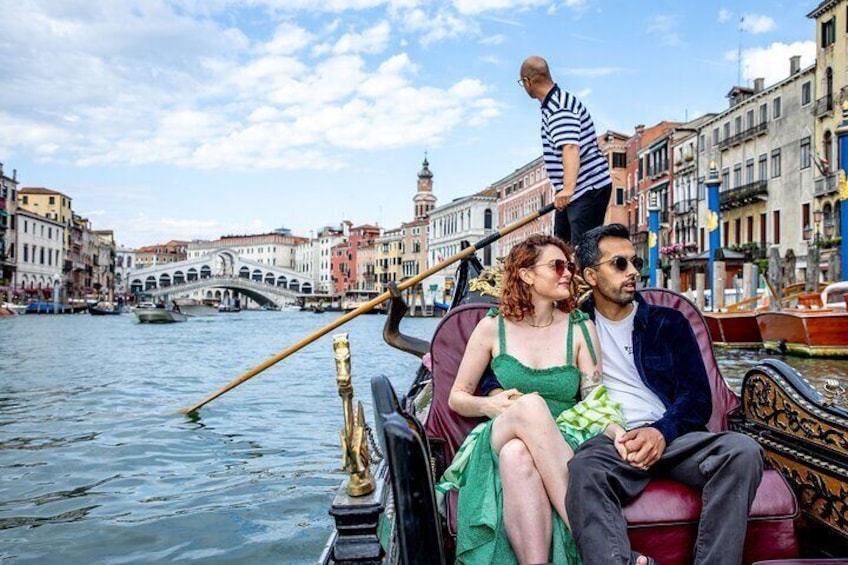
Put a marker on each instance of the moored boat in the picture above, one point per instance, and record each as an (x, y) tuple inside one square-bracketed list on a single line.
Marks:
[(810, 333), (738, 330)]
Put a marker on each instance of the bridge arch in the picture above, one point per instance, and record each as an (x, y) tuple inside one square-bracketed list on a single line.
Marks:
[(191, 274), (205, 272), (179, 277)]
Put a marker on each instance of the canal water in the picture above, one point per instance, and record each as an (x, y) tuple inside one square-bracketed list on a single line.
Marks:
[(98, 466)]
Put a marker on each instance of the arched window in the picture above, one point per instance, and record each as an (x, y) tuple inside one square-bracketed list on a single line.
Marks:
[(164, 280), (244, 273), (150, 282), (487, 219), (257, 275), (269, 278), (192, 274), (179, 277), (282, 281), (205, 272)]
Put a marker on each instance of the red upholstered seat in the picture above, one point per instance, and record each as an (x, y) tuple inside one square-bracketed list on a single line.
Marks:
[(837, 561), (663, 520)]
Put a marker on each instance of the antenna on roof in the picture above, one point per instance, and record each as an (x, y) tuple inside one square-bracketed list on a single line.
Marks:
[(739, 54)]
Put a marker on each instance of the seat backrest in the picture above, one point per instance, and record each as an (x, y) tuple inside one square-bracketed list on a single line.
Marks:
[(386, 402), (446, 351), (724, 400), (416, 516)]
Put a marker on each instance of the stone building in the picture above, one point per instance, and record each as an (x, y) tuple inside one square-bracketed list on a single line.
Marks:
[(762, 145)]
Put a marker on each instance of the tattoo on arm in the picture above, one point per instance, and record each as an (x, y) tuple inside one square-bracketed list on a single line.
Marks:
[(589, 382), (465, 387)]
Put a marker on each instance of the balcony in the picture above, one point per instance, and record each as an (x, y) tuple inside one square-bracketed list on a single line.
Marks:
[(826, 185), (750, 133), (824, 106), (685, 206), (743, 195)]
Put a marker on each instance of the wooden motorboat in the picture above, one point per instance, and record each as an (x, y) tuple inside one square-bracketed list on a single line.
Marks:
[(159, 316), (418, 435), (738, 330), (810, 333)]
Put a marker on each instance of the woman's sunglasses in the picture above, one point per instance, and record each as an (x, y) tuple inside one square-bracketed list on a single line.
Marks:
[(559, 266), (621, 263)]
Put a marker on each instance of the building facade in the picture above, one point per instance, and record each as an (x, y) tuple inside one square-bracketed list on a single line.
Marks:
[(153, 255), (762, 146), (8, 208), (345, 264), (41, 252), (614, 147), (831, 91), (520, 193)]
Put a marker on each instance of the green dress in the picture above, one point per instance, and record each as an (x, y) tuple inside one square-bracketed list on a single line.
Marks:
[(481, 535)]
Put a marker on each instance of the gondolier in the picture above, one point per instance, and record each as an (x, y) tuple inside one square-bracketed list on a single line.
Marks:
[(577, 169)]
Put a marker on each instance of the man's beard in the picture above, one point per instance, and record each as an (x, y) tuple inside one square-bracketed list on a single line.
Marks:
[(617, 295)]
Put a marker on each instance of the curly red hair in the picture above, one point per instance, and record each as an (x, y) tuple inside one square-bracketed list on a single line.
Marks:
[(515, 293)]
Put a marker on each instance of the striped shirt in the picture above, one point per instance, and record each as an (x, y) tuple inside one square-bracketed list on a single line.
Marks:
[(565, 120)]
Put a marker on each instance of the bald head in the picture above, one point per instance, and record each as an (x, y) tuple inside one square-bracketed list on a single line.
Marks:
[(535, 66), (535, 77)]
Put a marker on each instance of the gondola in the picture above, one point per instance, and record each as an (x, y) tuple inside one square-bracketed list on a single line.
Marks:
[(801, 509)]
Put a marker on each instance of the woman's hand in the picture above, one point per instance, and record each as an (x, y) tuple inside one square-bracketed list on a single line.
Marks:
[(615, 432), (497, 403)]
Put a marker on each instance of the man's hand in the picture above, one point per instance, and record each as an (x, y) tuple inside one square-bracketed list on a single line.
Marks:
[(562, 198), (499, 402), (644, 446)]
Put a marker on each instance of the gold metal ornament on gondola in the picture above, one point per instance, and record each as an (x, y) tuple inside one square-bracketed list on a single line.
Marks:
[(354, 435)]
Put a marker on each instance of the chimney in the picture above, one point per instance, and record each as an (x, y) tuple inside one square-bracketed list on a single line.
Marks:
[(794, 64), (758, 84)]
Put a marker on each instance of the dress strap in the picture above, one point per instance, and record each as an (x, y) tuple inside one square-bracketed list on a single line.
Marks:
[(501, 335), (578, 317), (569, 343)]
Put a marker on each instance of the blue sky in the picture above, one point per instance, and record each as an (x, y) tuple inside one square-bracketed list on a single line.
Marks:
[(193, 119)]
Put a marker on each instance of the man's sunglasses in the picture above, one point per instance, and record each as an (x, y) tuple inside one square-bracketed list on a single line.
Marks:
[(620, 263), (559, 266)]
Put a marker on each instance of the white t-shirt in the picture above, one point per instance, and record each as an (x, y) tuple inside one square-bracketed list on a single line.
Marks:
[(639, 404)]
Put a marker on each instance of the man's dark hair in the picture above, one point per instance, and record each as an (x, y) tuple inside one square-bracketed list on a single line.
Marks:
[(587, 252)]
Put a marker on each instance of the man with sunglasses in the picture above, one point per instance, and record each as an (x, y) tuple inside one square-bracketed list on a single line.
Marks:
[(576, 167), (652, 366)]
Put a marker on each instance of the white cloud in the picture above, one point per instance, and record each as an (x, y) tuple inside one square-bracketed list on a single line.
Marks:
[(593, 72), (755, 23), (665, 27), (436, 26), (287, 39), (493, 40), (372, 40), (491, 59), (480, 6), (724, 15), (772, 62)]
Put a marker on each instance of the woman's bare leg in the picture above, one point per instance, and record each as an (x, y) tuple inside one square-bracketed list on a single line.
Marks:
[(526, 509), (529, 420)]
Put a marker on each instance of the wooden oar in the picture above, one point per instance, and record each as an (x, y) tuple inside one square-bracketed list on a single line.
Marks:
[(486, 241)]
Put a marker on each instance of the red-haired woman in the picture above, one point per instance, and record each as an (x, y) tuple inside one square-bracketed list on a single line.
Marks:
[(545, 353)]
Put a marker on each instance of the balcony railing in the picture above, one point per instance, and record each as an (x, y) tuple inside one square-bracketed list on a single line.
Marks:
[(684, 206), (826, 185), (743, 195), (824, 106), (751, 132)]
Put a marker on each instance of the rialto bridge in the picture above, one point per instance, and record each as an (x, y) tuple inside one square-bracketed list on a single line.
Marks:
[(222, 270)]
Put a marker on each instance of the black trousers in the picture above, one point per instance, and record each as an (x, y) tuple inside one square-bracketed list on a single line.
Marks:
[(583, 214), (726, 467)]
